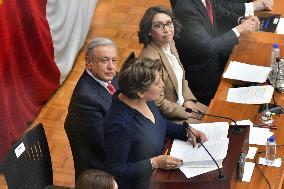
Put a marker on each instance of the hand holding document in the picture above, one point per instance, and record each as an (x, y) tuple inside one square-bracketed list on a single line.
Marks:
[(247, 72), (251, 95)]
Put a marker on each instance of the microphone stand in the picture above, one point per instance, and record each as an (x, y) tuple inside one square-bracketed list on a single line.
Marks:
[(236, 129), (220, 176)]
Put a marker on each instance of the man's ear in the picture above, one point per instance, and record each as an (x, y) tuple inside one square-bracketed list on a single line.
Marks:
[(141, 95), (88, 62)]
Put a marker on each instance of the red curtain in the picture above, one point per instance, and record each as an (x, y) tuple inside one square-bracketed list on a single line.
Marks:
[(28, 73)]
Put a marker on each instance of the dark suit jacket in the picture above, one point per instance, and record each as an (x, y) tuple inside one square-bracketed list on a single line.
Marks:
[(131, 140), (236, 6), (203, 51), (84, 123)]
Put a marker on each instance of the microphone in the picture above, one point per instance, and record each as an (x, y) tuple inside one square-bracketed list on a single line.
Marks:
[(220, 176), (277, 110), (236, 129)]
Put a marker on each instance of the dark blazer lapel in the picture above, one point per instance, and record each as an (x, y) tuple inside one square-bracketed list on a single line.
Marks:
[(202, 9), (213, 6), (167, 65), (106, 99), (102, 93)]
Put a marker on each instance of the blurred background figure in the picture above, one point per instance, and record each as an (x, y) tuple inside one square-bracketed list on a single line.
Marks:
[(95, 179)]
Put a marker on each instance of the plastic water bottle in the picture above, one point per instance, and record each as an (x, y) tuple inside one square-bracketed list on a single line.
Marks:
[(270, 150), (275, 52)]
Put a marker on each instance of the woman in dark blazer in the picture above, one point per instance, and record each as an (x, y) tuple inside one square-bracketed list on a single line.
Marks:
[(135, 131), (157, 29)]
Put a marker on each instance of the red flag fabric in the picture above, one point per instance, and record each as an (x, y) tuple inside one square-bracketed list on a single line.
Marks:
[(28, 71)]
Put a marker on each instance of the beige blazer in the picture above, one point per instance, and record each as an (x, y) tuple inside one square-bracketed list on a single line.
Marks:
[(167, 102)]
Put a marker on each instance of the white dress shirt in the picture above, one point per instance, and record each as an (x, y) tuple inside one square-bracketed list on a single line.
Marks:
[(103, 83), (249, 9), (177, 70)]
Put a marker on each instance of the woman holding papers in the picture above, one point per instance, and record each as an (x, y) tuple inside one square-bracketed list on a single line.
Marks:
[(134, 129), (157, 29)]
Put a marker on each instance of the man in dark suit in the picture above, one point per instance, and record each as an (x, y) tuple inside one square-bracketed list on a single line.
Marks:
[(246, 7), (203, 51), (90, 101)]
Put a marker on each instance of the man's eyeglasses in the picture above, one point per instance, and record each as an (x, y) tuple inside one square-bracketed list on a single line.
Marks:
[(161, 26)]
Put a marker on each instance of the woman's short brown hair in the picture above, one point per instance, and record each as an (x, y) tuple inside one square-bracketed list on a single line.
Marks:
[(137, 76), (146, 23), (95, 179)]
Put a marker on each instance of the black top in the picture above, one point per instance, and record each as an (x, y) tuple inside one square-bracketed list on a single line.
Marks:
[(131, 140)]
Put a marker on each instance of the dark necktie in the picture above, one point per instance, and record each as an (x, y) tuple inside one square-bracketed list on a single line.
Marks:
[(111, 88), (209, 11)]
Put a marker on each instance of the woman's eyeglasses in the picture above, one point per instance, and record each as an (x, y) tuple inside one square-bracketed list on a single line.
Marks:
[(161, 26)]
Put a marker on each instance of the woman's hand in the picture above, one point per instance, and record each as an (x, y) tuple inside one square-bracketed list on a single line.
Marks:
[(202, 137), (193, 106), (166, 162)]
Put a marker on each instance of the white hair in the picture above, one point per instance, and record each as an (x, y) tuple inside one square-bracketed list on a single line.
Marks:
[(100, 41)]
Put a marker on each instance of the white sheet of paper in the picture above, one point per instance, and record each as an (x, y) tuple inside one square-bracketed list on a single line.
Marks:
[(198, 157), (245, 122), (276, 163), (196, 161), (259, 135), (256, 135), (192, 172), (246, 72), (280, 27), (251, 95), (213, 131), (251, 152), (248, 170)]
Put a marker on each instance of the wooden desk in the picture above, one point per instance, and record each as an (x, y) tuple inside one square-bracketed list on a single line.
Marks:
[(254, 48), (259, 54), (264, 37), (252, 53), (249, 52)]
